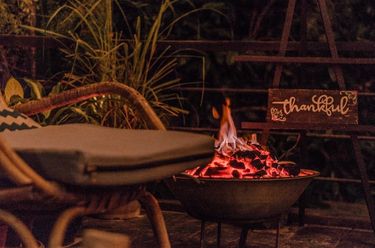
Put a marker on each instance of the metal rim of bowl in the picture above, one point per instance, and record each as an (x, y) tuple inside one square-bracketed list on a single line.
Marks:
[(311, 174)]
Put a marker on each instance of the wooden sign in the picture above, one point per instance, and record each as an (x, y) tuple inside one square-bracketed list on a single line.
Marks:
[(312, 106)]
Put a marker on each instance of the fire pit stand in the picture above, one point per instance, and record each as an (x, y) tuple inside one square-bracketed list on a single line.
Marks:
[(246, 203), (245, 227)]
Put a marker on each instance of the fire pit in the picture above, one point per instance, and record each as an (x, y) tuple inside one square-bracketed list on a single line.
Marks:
[(243, 184), (238, 200)]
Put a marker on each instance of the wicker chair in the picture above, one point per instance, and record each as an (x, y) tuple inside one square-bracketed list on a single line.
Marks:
[(36, 192)]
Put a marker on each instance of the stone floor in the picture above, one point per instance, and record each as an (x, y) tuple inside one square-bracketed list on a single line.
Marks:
[(184, 232)]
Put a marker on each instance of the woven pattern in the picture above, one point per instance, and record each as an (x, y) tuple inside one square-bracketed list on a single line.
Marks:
[(11, 119)]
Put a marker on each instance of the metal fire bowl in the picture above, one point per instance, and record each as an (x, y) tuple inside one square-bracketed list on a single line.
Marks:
[(238, 200)]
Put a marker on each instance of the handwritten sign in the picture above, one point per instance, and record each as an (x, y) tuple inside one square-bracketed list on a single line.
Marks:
[(312, 106)]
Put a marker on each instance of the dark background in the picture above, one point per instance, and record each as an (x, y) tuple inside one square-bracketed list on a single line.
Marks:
[(240, 20)]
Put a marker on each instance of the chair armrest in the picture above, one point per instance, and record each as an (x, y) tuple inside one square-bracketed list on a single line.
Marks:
[(82, 93)]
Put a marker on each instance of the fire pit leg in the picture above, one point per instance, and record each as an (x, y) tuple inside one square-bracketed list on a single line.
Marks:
[(301, 209), (202, 240), (277, 245), (243, 237), (218, 238)]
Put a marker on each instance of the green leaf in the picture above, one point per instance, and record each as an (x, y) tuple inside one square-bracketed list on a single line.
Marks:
[(80, 112), (55, 89), (37, 92), (46, 114), (13, 88), (15, 99), (36, 88)]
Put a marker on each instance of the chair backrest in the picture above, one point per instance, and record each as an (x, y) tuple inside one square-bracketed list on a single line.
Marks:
[(11, 119)]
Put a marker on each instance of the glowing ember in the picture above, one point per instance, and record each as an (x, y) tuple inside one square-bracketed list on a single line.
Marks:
[(240, 157)]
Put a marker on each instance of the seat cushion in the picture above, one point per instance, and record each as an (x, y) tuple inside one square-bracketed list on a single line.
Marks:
[(83, 154)]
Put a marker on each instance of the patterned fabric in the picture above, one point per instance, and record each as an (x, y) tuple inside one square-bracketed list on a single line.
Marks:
[(11, 119)]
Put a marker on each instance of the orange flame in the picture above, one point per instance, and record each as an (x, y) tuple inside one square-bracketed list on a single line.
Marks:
[(228, 142), (238, 157)]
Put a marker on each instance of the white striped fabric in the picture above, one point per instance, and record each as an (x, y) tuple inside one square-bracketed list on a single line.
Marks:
[(11, 119)]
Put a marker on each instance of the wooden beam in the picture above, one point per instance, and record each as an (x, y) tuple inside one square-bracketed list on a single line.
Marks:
[(304, 60), (284, 133), (205, 45), (36, 41), (243, 90), (307, 126)]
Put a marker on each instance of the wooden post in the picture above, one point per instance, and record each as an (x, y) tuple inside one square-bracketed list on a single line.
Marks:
[(365, 180), (284, 41), (331, 41)]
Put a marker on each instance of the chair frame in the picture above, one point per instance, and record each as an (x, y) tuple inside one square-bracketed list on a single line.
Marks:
[(33, 187)]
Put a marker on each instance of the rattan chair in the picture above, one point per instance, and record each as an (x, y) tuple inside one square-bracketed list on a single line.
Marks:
[(34, 191)]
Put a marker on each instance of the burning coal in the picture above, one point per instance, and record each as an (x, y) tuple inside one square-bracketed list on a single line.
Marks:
[(239, 157)]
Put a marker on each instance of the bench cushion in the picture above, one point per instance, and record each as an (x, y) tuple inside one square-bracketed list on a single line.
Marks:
[(83, 154)]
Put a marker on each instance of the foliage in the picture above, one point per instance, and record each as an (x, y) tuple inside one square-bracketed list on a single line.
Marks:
[(100, 54), (13, 89), (12, 14), (10, 23)]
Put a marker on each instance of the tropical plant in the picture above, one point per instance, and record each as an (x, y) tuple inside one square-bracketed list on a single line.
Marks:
[(98, 53), (12, 14)]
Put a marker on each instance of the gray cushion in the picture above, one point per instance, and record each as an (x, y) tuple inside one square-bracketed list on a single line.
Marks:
[(82, 154)]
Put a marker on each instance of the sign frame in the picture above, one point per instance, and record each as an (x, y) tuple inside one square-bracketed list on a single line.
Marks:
[(312, 106)]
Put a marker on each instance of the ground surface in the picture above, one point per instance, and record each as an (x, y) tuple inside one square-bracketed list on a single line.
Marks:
[(184, 232)]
